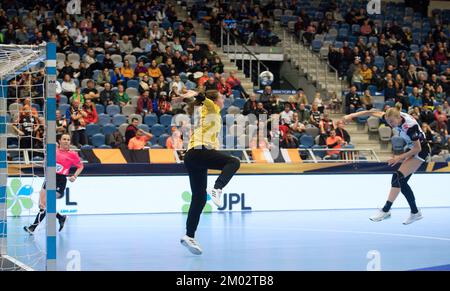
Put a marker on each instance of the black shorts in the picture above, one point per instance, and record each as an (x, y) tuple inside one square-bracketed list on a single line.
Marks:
[(424, 154), (61, 181)]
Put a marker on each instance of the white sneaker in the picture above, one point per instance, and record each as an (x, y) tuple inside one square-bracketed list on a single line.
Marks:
[(216, 195), (413, 217), (191, 244), (380, 215)]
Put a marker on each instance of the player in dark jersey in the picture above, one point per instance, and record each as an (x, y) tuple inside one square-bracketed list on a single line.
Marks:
[(410, 161), (65, 159)]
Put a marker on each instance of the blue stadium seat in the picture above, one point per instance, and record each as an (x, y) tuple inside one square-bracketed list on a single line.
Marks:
[(321, 153), (119, 119), (109, 129), (239, 103), (166, 119), (157, 129), (162, 139), (103, 119), (151, 119), (104, 146), (98, 140), (306, 141), (113, 110), (92, 129), (379, 62), (100, 108), (144, 127), (372, 89), (133, 84), (316, 45)]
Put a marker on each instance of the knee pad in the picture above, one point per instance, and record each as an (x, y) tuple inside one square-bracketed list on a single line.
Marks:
[(397, 179)]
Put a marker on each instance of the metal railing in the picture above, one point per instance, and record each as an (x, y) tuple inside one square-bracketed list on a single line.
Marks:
[(230, 44), (345, 155), (313, 60)]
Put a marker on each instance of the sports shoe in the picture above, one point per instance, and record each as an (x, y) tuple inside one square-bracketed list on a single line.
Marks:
[(30, 229), (413, 217), (191, 244), (62, 221), (216, 194), (380, 215)]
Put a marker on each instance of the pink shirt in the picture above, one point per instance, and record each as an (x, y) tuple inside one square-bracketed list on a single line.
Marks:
[(65, 160)]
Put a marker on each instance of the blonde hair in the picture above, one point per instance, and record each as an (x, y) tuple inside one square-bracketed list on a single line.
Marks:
[(392, 113)]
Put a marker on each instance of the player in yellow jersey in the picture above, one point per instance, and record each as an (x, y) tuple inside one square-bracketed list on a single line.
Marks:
[(202, 155)]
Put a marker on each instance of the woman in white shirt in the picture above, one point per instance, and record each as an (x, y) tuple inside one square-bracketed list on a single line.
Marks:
[(155, 34), (68, 86), (74, 31)]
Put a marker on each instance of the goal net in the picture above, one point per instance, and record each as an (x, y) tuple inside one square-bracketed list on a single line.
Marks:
[(27, 155)]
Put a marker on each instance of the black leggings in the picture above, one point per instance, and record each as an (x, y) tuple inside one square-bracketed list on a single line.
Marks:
[(197, 162)]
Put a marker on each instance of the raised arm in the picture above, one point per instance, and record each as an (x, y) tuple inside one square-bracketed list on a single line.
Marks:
[(373, 113)]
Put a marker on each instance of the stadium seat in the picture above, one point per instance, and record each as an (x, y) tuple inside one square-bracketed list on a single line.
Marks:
[(157, 130), (166, 120), (113, 110), (151, 119), (385, 133), (92, 129), (373, 123), (100, 108), (162, 139), (144, 127), (98, 140), (108, 129), (103, 119), (118, 119), (306, 141)]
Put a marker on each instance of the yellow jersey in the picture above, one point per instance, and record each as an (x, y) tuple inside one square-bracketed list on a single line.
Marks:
[(206, 133)]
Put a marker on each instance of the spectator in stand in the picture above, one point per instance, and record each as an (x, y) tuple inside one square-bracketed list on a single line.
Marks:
[(140, 69), (145, 104), (131, 130), (342, 132), (175, 141), (108, 62), (250, 105), (303, 114), (104, 77), (139, 142), (334, 142), (127, 71), (224, 88), (164, 105), (154, 71), (301, 97), (287, 115), (315, 116), (212, 84), (117, 78), (61, 124), (289, 141), (367, 100), (352, 101), (78, 124), (68, 86), (90, 92), (107, 95), (121, 97), (235, 84), (260, 110), (297, 127), (91, 112), (275, 105), (77, 95), (265, 96), (145, 84)]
